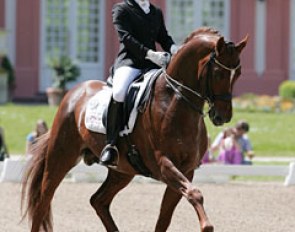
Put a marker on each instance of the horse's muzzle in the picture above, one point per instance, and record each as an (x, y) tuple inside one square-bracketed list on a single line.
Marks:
[(218, 119)]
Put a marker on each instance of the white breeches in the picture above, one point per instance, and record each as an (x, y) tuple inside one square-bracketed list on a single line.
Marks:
[(123, 77)]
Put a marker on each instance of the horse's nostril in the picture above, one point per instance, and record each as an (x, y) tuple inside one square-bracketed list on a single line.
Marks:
[(218, 119)]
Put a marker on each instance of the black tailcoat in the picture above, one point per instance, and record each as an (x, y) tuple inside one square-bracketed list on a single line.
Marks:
[(138, 32)]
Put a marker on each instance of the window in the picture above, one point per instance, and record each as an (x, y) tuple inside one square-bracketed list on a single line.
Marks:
[(185, 16), (57, 31), (72, 28), (88, 30)]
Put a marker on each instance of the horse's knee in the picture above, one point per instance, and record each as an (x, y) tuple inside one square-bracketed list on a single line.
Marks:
[(100, 209), (99, 202)]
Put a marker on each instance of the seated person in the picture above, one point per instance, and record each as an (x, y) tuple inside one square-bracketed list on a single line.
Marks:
[(241, 141), (241, 130), (3, 148), (41, 128), (230, 151)]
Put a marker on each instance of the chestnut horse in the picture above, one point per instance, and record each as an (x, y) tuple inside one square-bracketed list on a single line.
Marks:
[(170, 134)]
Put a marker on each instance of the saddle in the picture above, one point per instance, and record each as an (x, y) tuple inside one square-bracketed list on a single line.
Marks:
[(136, 99)]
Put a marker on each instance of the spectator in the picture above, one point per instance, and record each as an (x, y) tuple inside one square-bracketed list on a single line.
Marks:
[(238, 143), (41, 128), (3, 147), (230, 151), (241, 130)]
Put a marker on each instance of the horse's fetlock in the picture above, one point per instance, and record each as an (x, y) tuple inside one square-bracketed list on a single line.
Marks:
[(195, 197), (200, 199)]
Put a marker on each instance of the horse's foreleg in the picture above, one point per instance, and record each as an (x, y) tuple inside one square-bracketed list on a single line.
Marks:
[(169, 202), (102, 199), (177, 181)]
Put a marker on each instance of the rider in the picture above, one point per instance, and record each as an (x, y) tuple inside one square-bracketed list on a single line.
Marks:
[(139, 25)]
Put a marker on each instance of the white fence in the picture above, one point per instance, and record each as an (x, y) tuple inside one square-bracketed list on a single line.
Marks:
[(12, 170)]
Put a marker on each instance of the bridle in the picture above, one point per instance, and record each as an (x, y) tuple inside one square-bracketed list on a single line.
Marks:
[(210, 97)]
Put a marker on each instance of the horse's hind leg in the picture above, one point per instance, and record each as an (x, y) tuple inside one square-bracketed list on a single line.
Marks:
[(169, 202), (102, 199), (177, 181)]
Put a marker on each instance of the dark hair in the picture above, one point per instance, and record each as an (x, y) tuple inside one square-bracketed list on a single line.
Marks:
[(243, 125)]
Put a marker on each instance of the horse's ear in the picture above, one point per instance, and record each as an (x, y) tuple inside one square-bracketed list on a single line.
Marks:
[(220, 46), (240, 46)]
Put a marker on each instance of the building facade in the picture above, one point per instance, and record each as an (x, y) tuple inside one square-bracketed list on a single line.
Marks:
[(82, 29)]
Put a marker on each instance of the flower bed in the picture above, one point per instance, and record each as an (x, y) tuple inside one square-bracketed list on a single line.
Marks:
[(264, 103)]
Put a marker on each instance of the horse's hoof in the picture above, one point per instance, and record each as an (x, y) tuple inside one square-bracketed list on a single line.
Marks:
[(208, 228)]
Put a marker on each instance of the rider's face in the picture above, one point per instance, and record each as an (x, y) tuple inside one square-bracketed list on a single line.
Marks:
[(142, 2)]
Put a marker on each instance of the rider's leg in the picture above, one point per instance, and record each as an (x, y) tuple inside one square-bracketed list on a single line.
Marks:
[(123, 77)]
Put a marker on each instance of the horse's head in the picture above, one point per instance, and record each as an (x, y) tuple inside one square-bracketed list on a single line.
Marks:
[(220, 70), (218, 67)]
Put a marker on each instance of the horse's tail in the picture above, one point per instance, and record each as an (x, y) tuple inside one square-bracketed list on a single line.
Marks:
[(32, 182)]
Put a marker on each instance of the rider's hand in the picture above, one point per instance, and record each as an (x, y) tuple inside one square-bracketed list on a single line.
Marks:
[(159, 58)]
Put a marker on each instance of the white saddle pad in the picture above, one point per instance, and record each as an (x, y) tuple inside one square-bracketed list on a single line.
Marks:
[(98, 103), (95, 108)]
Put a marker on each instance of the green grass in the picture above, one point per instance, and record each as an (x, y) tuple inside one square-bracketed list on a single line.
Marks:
[(272, 134), (19, 120)]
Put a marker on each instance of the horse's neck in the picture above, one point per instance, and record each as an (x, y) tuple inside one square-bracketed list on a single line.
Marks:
[(184, 67)]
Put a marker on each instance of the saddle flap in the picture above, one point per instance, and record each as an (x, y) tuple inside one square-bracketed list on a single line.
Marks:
[(138, 94)]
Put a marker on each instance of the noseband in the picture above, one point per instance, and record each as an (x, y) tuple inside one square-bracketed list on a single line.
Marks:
[(210, 97)]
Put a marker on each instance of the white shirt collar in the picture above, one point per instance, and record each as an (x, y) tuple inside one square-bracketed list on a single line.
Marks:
[(144, 5)]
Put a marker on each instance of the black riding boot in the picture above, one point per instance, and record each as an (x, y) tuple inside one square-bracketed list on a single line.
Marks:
[(114, 117)]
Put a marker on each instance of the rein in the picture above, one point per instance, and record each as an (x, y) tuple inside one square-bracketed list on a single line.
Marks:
[(176, 86)]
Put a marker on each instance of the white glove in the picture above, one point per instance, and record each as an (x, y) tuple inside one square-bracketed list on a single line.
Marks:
[(174, 48), (159, 58)]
